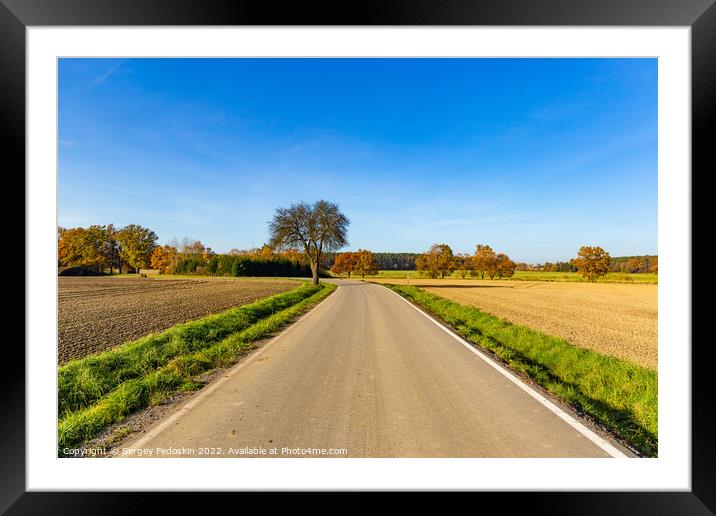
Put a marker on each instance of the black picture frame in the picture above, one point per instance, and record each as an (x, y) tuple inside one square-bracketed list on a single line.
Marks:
[(700, 15)]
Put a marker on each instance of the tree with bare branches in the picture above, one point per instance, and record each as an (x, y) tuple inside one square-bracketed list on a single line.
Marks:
[(316, 228)]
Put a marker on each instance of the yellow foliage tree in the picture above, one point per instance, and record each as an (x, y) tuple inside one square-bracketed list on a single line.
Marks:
[(365, 263), (163, 259)]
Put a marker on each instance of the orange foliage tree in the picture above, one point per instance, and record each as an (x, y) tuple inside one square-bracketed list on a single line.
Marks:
[(484, 261), (164, 259), (504, 267), (438, 261), (592, 262), (654, 265), (345, 263), (463, 264)]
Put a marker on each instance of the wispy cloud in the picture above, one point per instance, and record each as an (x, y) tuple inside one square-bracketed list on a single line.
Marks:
[(112, 188), (106, 74), (68, 143)]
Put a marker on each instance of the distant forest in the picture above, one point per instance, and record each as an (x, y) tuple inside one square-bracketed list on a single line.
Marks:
[(406, 262), (93, 250), (386, 261)]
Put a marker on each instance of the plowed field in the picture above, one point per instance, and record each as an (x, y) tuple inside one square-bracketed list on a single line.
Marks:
[(95, 314)]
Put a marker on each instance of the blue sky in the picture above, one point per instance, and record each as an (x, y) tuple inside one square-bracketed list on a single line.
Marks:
[(534, 157)]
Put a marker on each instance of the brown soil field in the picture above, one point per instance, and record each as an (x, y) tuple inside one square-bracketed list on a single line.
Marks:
[(615, 319), (96, 314)]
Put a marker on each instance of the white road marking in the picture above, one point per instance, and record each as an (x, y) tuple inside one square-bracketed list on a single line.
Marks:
[(564, 416)]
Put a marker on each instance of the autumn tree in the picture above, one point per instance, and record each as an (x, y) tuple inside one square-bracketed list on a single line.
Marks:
[(163, 259), (110, 249), (93, 247), (437, 261), (592, 262), (315, 228), (266, 252), (191, 248), (463, 264), (137, 244), (82, 247), (484, 261), (345, 263), (365, 263), (550, 267), (504, 267), (423, 265), (69, 246), (654, 265), (632, 265), (294, 255)]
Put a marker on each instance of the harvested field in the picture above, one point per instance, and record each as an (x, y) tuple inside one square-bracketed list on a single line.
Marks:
[(95, 314), (615, 319)]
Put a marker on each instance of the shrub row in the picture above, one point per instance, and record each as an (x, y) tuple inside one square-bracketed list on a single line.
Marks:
[(238, 265)]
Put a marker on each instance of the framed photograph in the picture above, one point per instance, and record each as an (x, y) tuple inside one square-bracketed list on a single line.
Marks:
[(432, 247)]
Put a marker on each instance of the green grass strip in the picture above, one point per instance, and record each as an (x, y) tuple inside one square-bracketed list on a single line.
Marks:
[(177, 375), (618, 393), (82, 382)]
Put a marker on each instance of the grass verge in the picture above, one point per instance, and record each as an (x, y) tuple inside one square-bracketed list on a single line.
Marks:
[(620, 394), (82, 382), (149, 370)]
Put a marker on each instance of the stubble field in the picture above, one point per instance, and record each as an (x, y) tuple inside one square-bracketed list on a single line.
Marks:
[(96, 314), (615, 319)]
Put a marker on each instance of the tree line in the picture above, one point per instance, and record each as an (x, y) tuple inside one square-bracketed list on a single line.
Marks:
[(386, 261), (96, 248), (362, 262), (628, 264), (105, 248), (302, 240), (200, 260), (635, 264), (440, 261), (592, 262)]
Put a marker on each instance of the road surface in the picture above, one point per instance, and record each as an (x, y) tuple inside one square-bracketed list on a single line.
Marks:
[(365, 374)]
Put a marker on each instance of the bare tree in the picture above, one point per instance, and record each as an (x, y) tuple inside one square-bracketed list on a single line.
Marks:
[(317, 228)]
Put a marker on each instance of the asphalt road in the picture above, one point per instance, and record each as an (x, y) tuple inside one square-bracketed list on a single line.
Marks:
[(367, 373)]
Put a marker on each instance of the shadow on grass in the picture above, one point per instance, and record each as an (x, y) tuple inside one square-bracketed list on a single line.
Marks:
[(443, 285)]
